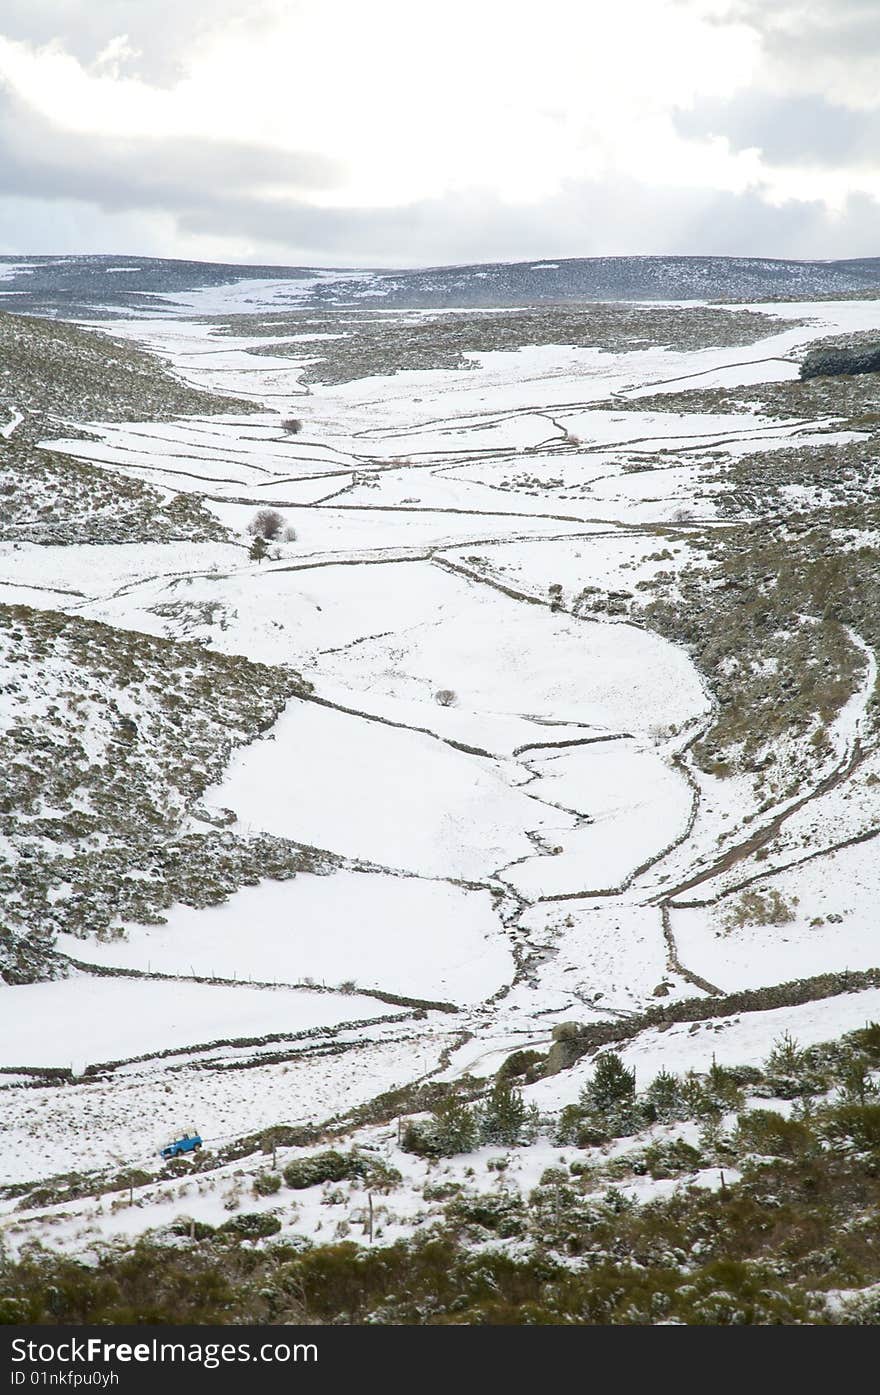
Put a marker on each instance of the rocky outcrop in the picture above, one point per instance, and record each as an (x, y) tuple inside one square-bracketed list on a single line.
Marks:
[(566, 1047), (842, 361)]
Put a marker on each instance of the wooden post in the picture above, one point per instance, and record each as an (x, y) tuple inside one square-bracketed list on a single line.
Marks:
[(370, 1204), (131, 1195)]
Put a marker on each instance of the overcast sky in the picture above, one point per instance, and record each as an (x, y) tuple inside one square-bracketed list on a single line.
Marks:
[(388, 132)]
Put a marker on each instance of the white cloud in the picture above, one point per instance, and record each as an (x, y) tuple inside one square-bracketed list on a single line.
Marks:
[(452, 108), (499, 95)]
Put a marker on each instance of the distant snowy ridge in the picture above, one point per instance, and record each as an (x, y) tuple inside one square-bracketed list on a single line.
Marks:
[(87, 285)]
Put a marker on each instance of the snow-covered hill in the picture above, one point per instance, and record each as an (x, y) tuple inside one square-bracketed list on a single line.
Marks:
[(106, 285)]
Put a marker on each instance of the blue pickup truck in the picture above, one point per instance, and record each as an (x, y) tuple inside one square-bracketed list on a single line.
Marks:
[(182, 1141)]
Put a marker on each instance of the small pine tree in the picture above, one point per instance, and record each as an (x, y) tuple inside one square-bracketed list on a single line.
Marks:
[(856, 1081), (503, 1115), (788, 1069), (454, 1127), (868, 1040), (258, 549), (612, 1084), (721, 1090), (696, 1104), (786, 1058), (665, 1095)]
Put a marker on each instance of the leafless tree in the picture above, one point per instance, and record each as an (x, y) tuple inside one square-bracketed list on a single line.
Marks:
[(266, 523)]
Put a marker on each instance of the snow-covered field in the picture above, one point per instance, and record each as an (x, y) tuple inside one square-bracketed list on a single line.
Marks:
[(421, 938), (832, 902), (122, 1124), (505, 776), (94, 1020), (391, 797)]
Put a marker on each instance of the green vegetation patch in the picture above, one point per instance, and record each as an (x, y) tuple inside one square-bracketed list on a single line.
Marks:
[(109, 739), (50, 498), (767, 621), (56, 375), (795, 1220), (51, 368), (366, 344)]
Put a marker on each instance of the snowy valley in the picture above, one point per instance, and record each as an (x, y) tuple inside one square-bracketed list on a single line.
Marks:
[(544, 726)]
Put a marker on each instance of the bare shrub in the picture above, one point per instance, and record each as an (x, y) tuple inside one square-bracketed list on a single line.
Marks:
[(266, 523), (445, 697), (756, 907), (292, 425), (289, 534)]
